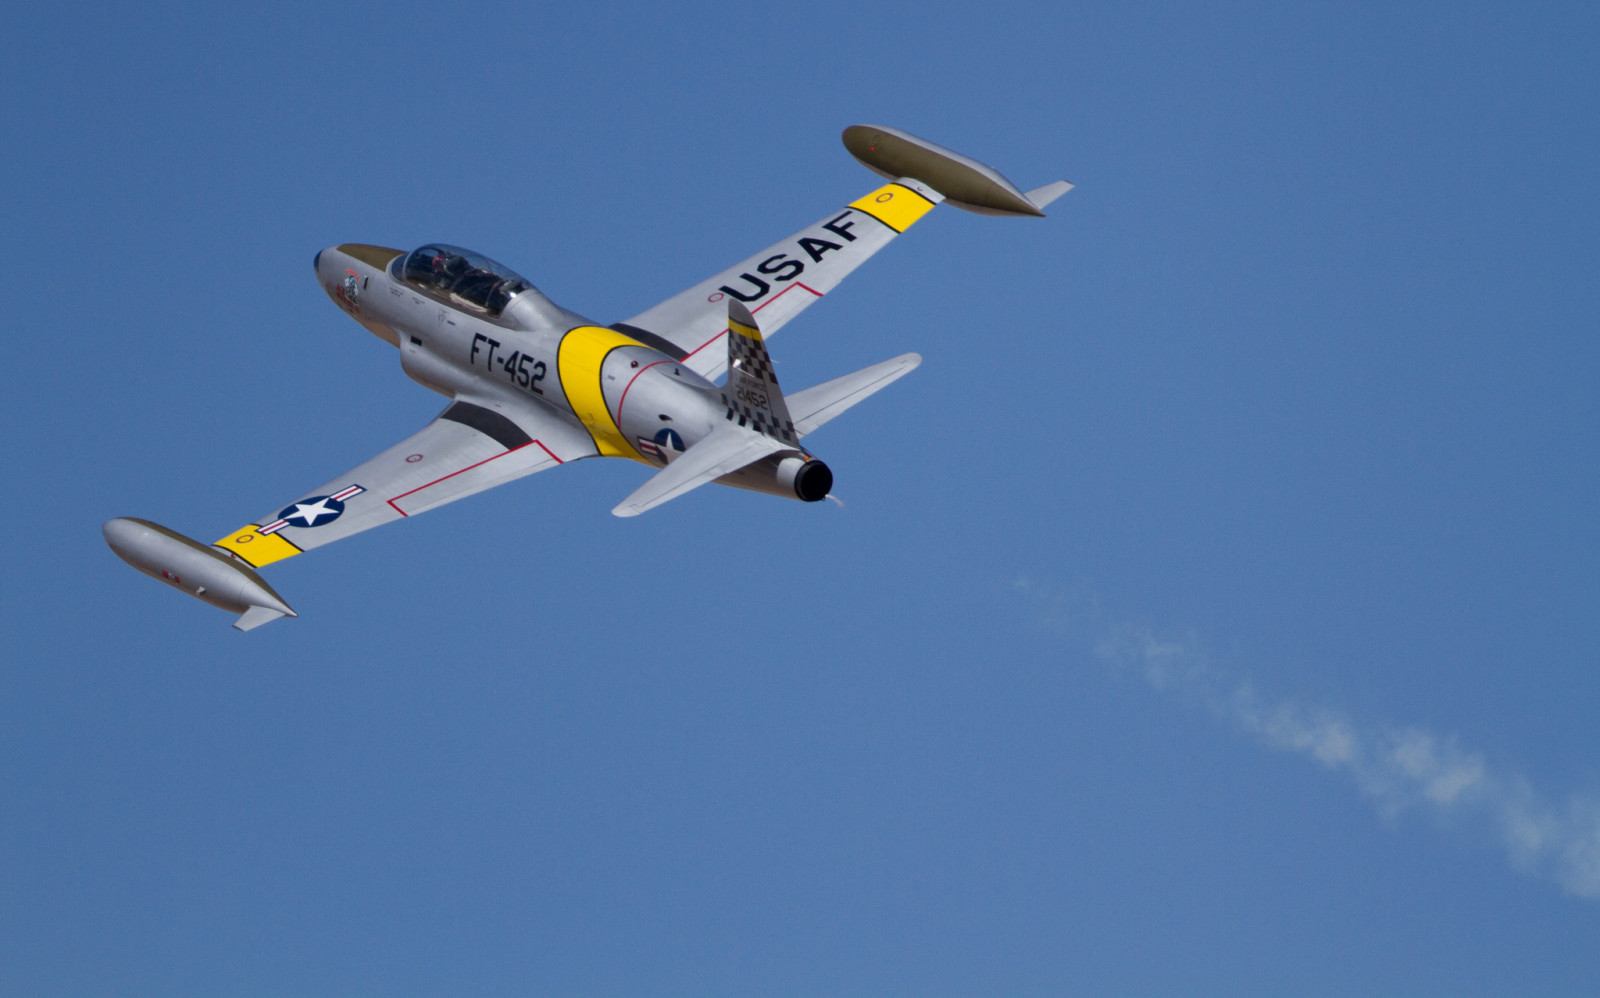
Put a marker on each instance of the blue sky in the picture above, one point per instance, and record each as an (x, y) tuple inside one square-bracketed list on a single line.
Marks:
[(1213, 612)]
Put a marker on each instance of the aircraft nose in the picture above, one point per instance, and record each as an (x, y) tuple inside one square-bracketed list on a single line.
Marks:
[(316, 262)]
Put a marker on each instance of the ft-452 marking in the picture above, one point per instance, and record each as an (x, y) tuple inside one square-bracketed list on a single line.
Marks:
[(520, 368)]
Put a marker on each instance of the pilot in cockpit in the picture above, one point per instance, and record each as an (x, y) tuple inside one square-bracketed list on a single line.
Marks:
[(463, 277), (448, 268)]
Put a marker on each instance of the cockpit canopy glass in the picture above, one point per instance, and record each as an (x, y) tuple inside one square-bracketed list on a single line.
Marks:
[(462, 276)]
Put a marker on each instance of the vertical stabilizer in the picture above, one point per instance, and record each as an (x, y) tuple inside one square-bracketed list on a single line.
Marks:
[(751, 393)]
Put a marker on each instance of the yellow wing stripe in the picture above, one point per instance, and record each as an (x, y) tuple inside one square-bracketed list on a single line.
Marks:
[(895, 205), (578, 360), (255, 548)]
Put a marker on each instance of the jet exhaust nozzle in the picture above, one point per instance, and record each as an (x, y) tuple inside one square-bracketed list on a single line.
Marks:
[(813, 480), (805, 477)]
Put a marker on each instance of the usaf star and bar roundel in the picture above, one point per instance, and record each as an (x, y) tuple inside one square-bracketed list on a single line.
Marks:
[(313, 512), (666, 445), (263, 545)]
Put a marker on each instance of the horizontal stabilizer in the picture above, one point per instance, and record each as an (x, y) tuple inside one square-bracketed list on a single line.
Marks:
[(726, 449), (818, 404)]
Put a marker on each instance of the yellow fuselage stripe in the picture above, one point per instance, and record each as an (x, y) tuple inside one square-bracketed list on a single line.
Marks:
[(894, 205), (578, 360), (255, 548)]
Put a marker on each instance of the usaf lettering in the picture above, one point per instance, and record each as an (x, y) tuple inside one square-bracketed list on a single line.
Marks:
[(781, 267)]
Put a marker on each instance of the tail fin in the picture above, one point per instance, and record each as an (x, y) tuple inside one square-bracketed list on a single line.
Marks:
[(758, 422), (751, 393), (753, 397)]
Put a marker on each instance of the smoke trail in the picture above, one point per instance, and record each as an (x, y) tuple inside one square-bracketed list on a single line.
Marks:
[(1399, 769)]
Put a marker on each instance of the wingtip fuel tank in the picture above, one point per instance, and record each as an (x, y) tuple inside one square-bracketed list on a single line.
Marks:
[(965, 183), (197, 569)]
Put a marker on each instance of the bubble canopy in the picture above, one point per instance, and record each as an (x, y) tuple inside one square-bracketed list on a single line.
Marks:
[(463, 277)]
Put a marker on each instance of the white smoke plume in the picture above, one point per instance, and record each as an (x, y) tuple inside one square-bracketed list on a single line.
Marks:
[(1397, 768)]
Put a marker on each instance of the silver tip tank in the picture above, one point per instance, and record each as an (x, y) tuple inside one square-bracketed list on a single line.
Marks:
[(197, 569)]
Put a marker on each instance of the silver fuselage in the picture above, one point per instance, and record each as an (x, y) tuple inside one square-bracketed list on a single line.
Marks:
[(634, 400)]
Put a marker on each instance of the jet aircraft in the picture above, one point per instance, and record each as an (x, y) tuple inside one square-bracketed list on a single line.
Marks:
[(533, 386)]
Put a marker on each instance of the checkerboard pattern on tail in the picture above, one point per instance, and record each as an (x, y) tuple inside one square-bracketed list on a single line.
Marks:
[(751, 395)]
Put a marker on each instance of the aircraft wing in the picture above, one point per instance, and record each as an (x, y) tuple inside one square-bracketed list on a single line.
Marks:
[(478, 442), (781, 280)]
